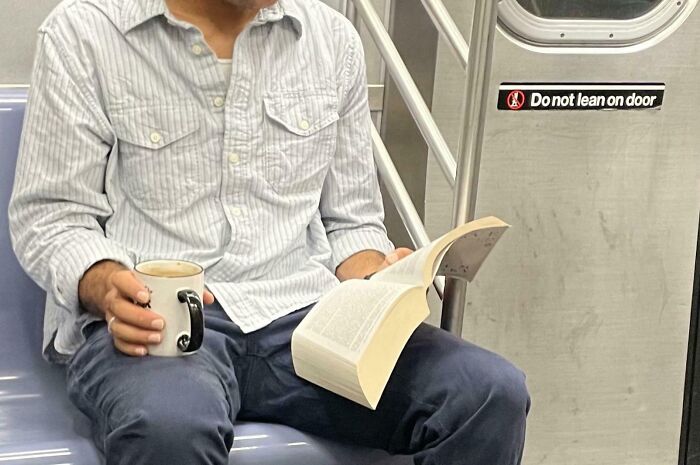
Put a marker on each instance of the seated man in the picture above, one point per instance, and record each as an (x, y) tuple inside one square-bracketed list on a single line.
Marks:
[(150, 135)]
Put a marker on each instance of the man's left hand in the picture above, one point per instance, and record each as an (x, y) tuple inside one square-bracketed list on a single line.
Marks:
[(369, 262), (393, 257)]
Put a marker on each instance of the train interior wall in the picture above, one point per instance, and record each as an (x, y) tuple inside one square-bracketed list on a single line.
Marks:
[(590, 291)]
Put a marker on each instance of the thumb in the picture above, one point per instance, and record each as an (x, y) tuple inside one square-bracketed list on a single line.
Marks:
[(398, 254), (208, 297)]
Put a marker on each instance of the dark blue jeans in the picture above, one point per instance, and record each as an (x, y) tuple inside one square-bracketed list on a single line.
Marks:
[(447, 401)]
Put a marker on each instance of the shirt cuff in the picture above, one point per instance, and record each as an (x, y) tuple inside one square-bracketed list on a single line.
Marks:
[(346, 243), (70, 263)]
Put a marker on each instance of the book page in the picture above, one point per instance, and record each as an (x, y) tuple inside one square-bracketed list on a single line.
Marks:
[(465, 256), (350, 341), (358, 368), (409, 270), (459, 253), (347, 316), (380, 357), (438, 261)]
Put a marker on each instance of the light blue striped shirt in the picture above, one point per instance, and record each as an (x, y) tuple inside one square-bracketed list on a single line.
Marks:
[(137, 145)]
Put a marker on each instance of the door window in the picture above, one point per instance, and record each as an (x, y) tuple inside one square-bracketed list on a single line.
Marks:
[(622, 24), (589, 9)]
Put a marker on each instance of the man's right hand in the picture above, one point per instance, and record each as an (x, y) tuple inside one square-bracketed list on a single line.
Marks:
[(109, 289)]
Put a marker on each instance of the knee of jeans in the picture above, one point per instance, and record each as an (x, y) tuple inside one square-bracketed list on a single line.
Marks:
[(176, 426), (483, 378), (507, 391)]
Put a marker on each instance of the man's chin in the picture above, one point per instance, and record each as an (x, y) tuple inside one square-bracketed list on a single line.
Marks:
[(246, 4)]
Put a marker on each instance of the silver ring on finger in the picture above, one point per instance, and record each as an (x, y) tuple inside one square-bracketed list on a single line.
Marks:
[(109, 324)]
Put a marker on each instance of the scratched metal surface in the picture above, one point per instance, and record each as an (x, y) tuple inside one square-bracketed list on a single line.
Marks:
[(590, 291)]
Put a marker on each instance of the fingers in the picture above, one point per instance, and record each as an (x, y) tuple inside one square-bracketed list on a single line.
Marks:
[(129, 286), (134, 335), (134, 328), (403, 252), (133, 350), (133, 315), (397, 255), (208, 298), (126, 338)]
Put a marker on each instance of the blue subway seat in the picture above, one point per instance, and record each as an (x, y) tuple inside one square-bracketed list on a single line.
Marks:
[(39, 425)]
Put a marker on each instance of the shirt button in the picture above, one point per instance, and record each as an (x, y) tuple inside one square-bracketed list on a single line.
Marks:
[(236, 211), (234, 159), (304, 125), (156, 137), (197, 49), (219, 102)]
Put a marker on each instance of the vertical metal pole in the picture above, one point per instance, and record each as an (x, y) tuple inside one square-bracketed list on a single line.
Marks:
[(471, 143)]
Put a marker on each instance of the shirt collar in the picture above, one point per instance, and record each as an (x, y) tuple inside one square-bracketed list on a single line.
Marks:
[(137, 12), (289, 9)]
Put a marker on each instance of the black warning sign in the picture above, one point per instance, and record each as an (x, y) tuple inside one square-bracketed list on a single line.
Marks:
[(572, 96)]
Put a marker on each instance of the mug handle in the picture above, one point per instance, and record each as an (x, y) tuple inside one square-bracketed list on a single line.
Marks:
[(194, 304)]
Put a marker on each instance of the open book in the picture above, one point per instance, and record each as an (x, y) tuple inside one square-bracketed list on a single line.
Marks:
[(350, 341)]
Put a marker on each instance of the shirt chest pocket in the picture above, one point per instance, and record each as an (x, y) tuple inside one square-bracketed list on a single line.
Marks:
[(300, 132), (160, 155)]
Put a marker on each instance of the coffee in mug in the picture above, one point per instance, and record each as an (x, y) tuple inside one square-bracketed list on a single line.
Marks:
[(176, 288)]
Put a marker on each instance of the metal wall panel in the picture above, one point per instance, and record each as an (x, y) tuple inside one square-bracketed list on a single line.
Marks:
[(590, 292), (18, 24)]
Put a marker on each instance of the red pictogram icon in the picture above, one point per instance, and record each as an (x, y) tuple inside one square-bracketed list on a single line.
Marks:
[(515, 100)]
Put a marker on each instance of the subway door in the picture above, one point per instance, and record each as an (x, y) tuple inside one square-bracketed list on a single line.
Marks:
[(590, 291)]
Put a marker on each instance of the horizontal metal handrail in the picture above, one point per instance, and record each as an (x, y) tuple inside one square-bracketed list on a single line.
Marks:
[(408, 89), (448, 29), (402, 200)]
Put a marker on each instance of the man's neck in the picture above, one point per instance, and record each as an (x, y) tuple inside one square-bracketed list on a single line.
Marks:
[(220, 21), (218, 14)]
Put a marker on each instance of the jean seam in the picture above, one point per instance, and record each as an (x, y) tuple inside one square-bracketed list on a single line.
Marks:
[(253, 360), (431, 407)]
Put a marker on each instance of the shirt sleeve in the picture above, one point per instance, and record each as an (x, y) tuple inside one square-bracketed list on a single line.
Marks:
[(351, 202), (58, 204)]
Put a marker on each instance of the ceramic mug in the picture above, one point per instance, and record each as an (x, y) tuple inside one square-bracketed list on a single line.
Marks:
[(176, 288)]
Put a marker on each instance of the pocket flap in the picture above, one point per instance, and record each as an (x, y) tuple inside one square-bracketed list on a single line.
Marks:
[(155, 126), (300, 114)]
